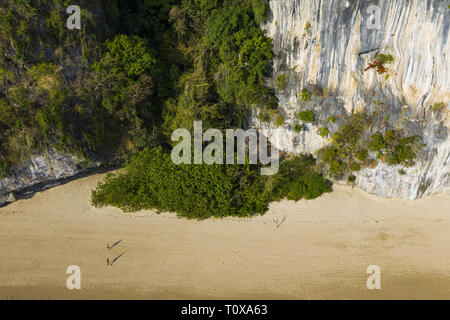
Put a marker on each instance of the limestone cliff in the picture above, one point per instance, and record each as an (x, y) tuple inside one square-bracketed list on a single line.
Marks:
[(325, 45), (41, 172)]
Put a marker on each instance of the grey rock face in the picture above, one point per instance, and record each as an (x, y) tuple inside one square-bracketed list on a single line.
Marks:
[(52, 166), (11, 198), (325, 46)]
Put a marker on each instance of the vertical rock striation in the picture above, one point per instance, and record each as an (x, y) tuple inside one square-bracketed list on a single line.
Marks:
[(325, 45)]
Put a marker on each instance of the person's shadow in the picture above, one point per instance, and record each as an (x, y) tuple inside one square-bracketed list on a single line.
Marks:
[(114, 244), (110, 263)]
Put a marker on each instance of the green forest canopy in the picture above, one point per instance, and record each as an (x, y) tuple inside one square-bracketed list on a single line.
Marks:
[(111, 90)]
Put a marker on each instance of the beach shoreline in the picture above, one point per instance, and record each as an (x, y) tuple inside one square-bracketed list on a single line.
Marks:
[(316, 249)]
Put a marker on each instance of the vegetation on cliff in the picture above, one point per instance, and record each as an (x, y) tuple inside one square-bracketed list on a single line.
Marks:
[(132, 74), (353, 147)]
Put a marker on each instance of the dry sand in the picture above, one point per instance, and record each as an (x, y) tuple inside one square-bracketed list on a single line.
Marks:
[(321, 251)]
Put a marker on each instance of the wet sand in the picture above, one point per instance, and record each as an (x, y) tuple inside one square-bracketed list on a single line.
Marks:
[(320, 251)]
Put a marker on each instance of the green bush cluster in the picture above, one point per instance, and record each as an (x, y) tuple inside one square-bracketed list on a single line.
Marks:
[(349, 149), (324, 132), (304, 95), (299, 128), (298, 178), (438, 106), (397, 149), (125, 55), (362, 155), (385, 58), (279, 121), (4, 167), (346, 148), (377, 142), (281, 82), (306, 116), (152, 181), (331, 119)]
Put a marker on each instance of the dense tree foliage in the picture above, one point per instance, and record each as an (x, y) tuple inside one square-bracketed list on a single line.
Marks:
[(90, 92), (227, 57), (152, 181), (134, 72)]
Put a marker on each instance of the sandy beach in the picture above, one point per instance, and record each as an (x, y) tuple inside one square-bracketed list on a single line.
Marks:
[(320, 251)]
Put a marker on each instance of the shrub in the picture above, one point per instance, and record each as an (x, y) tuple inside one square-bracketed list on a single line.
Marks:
[(4, 168), (402, 154), (6, 76), (42, 69), (390, 137), (306, 116), (324, 132), (279, 121), (403, 151), (261, 10), (373, 164), (362, 155), (385, 58), (377, 142), (338, 168), (7, 114), (281, 82), (299, 128), (329, 154), (351, 178), (304, 95), (379, 62), (129, 54), (349, 142), (331, 119), (55, 26), (437, 106), (298, 179), (307, 26)]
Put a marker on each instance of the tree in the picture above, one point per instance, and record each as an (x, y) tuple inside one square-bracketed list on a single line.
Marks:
[(128, 55)]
